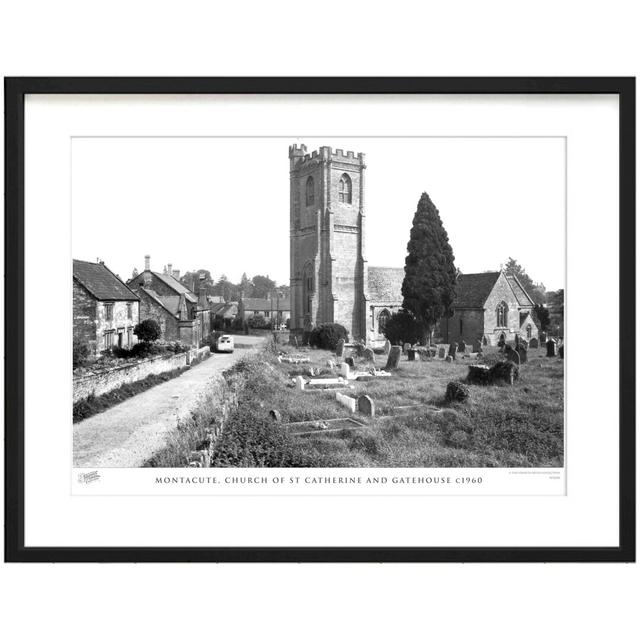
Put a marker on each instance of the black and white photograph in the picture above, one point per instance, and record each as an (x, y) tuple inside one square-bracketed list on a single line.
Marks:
[(318, 302)]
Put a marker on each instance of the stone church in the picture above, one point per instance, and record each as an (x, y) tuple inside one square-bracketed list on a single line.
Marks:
[(331, 280)]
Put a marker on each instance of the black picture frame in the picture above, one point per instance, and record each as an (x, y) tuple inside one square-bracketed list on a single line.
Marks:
[(15, 91)]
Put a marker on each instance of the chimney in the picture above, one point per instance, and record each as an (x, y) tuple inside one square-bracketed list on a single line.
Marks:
[(147, 263), (170, 269), (146, 276), (176, 274), (202, 293)]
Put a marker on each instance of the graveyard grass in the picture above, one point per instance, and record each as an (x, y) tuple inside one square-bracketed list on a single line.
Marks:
[(499, 426)]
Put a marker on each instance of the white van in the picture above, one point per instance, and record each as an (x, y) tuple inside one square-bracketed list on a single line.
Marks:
[(224, 344)]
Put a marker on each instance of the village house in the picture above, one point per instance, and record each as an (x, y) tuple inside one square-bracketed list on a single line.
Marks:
[(222, 313), (105, 309), (273, 308), (183, 315), (490, 307)]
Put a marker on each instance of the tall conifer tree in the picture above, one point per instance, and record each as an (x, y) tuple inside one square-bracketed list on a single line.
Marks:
[(429, 284)]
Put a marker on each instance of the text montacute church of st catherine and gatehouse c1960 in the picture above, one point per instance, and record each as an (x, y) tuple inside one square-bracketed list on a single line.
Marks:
[(331, 280)]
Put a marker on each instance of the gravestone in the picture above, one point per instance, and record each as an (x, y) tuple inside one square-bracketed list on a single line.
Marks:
[(512, 355), (448, 359), (350, 361), (347, 401), (533, 343), (425, 354), (543, 337), (274, 414), (406, 347), (366, 406), (367, 354), (331, 364), (359, 348), (551, 348), (340, 348), (522, 353), (387, 347), (477, 346), (300, 383), (394, 358), (452, 350), (345, 370), (485, 342), (462, 347), (411, 354), (442, 353)]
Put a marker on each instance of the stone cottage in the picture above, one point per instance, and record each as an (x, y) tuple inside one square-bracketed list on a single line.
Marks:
[(183, 315), (274, 308), (105, 309), (489, 307)]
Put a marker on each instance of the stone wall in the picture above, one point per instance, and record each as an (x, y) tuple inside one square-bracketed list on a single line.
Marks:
[(103, 382)]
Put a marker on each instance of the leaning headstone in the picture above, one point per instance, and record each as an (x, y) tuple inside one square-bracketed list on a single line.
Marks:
[(551, 348), (512, 355), (411, 353), (452, 350), (442, 353), (533, 343), (367, 354), (300, 382), (347, 401), (394, 358), (522, 353), (462, 347), (350, 361), (366, 406), (387, 347)]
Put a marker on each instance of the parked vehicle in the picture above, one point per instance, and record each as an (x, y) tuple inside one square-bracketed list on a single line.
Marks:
[(224, 344)]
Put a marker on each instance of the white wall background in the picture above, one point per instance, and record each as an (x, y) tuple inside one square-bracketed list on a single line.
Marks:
[(252, 38)]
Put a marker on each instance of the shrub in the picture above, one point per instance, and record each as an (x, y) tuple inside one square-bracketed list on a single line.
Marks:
[(146, 349), (119, 352), (456, 392), (176, 347), (327, 336), (80, 354), (402, 327), (148, 330), (258, 322)]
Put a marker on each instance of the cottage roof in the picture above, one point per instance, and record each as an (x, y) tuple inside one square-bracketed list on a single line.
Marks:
[(473, 289), (170, 303), (177, 286), (385, 283), (100, 282), (224, 309), (266, 304), (523, 298)]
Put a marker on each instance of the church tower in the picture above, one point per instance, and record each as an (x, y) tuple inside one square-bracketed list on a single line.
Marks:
[(328, 268)]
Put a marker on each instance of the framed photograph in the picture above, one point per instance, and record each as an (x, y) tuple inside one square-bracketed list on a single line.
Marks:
[(320, 319)]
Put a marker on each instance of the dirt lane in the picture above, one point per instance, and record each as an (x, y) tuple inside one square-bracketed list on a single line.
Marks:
[(132, 432)]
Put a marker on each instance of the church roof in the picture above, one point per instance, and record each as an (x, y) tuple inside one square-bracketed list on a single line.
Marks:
[(519, 292), (385, 283), (100, 282), (473, 289)]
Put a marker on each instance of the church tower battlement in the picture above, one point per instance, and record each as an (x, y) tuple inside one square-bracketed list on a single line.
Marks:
[(328, 268)]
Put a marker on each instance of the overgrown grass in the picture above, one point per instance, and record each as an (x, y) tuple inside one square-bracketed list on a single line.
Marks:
[(499, 426)]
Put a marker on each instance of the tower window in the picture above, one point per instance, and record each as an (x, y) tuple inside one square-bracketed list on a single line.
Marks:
[(502, 314), (344, 189), (310, 191)]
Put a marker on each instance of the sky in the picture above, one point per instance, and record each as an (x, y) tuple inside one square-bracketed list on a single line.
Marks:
[(222, 204)]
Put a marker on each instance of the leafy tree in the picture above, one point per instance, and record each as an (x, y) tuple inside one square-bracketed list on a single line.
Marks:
[(402, 327), (556, 311), (262, 286), (191, 280), (246, 286), (223, 288), (429, 284), (541, 315), (535, 290), (148, 330)]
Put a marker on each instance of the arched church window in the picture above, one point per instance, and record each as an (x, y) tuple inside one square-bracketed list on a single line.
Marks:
[(310, 191), (344, 189), (502, 314), (383, 318)]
